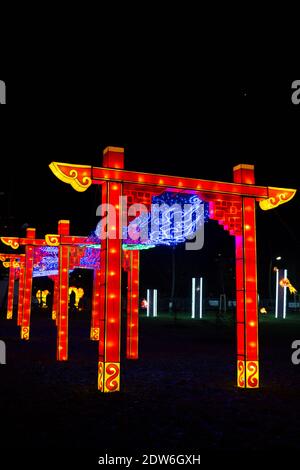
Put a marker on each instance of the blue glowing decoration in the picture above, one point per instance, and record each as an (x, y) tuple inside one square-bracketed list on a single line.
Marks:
[(86, 256), (91, 257), (45, 261), (174, 218)]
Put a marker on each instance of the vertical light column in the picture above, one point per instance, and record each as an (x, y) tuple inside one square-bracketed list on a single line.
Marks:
[(55, 298), (193, 298), (152, 303), (21, 290), (29, 254), (251, 299), (247, 304), (11, 289), (285, 275), (148, 303), (240, 311), (132, 351), (155, 303), (201, 299), (103, 275), (277, 293), (111, 265), (246, 286), (63, 294), (95, 326), (282, 284), (197, 297)]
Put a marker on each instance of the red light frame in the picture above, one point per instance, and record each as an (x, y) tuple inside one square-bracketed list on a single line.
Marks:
[(132, 350)]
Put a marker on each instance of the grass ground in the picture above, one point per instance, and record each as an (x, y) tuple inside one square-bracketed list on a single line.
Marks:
[(180, 394)]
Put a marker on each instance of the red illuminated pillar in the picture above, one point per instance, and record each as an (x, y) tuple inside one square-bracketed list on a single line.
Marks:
[(132, 351), (63, 293), (110, 279), (246, 286), (11, 289), (95, 327), (29, 254), (55, 298), (21, 290)]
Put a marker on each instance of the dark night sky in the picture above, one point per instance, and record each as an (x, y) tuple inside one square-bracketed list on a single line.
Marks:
[(191, 127)]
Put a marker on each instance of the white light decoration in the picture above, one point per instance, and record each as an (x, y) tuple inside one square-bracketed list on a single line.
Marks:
[(152, 303), (282, 284), (197, 298), (193, 298), (284, 294), (155, 303), (148, 303)]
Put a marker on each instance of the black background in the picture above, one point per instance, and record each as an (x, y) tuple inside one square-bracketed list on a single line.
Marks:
[(170, 120)]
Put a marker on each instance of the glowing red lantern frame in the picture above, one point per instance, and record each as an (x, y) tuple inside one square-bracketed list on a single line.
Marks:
[(231, 204), (25, 262), (15, 264), (64, 241)]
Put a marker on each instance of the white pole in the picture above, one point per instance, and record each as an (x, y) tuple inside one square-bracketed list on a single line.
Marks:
[(193, 298), (201, 297), (284, 294), (155, 303), (277, 293), (148, 303)]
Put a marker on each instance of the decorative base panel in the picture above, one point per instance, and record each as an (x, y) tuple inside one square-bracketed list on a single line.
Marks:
[(95, 334), (248, 374), (25, 333), (109, 377)]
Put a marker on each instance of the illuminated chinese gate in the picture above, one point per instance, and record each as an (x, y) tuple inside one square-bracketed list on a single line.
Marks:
[(231, 204)]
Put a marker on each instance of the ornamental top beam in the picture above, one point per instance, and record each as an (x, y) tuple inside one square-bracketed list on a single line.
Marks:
[(81, 177)]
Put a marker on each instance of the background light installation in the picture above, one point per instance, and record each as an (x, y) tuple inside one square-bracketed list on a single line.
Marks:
[(41, 296), (197, 298), (44, 257), (29, 253), (152, 303), (132, 350), (26, 274), (72, 249), (283, 284), (79, 293), (84, 254)]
